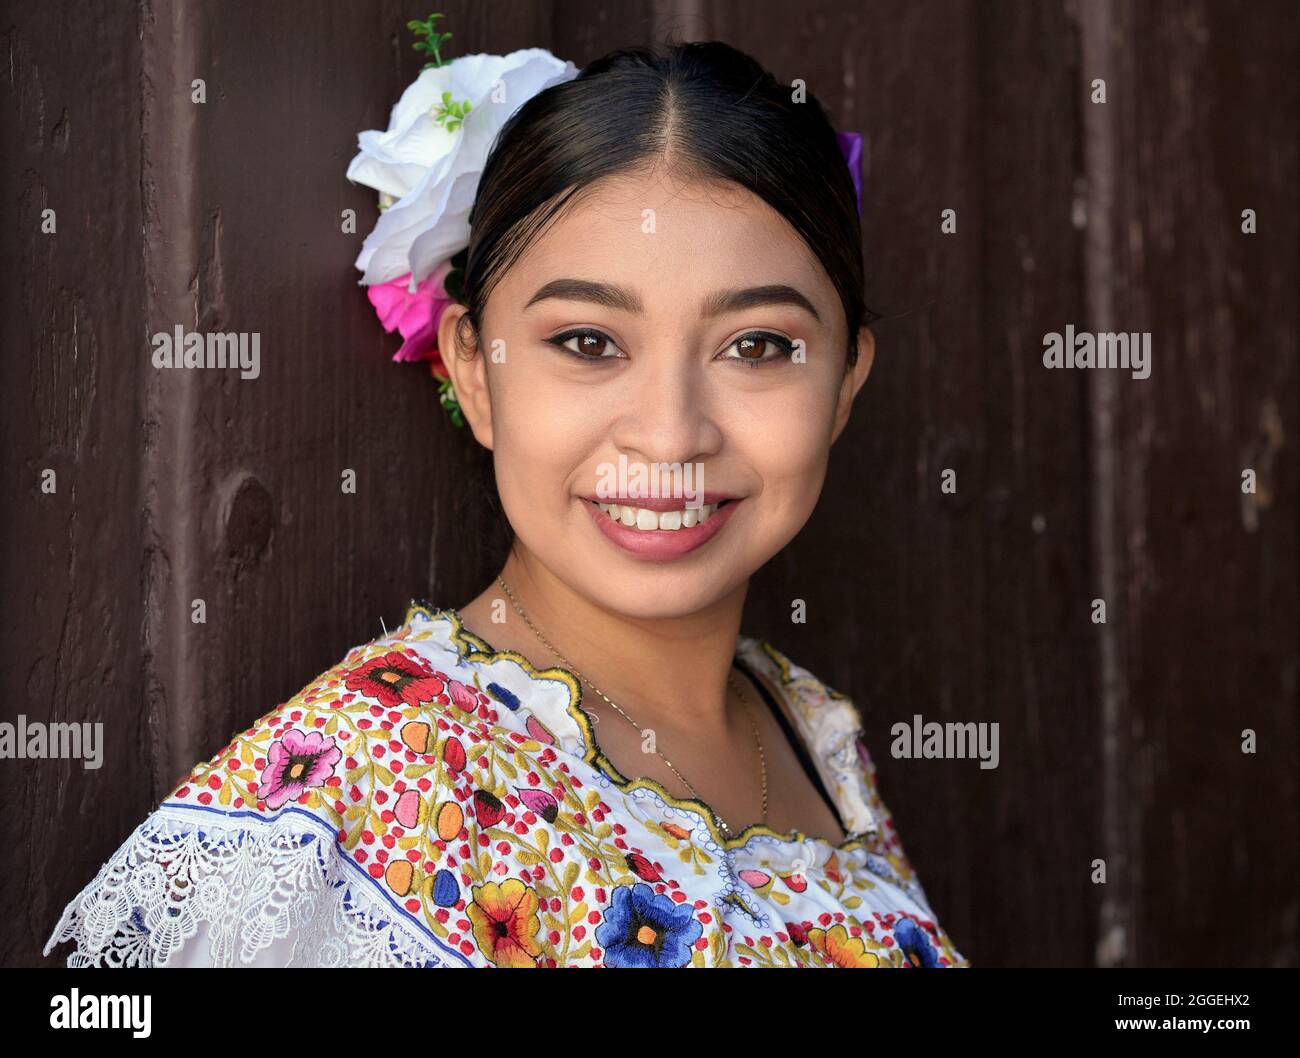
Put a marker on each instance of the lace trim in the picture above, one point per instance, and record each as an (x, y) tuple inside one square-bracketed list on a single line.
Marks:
[(252, 881)]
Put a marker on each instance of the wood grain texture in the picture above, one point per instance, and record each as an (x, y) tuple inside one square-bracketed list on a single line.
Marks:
[(1201, 124), (1119, 741), (71, 312)]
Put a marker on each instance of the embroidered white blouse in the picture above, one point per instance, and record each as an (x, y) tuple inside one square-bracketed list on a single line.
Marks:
[(430, 801)]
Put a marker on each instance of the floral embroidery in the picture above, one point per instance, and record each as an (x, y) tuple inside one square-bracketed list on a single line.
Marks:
[(296, 763), (431, 802), (915, 944), (842, 950), (395, 679), (505, 923), (643, 929)]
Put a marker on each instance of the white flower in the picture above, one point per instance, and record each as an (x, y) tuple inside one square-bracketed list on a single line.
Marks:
[(432, 173)]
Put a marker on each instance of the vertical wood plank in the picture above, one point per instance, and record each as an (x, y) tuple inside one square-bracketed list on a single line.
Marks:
[(72, 320), (1202, 624)]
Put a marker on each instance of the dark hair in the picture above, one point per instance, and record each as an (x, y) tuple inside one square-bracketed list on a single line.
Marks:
[(708, 109)]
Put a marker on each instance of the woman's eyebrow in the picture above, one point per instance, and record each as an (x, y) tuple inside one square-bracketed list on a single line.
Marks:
[(749, 297), (606, 294), (616, 297)]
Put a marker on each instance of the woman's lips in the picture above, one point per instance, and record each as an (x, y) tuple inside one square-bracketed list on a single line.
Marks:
[(661, 544)]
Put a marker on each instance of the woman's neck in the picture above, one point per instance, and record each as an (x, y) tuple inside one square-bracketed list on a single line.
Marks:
[(673, 670)]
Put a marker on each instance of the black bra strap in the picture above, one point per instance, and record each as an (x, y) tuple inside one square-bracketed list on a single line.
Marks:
[(800, 749)]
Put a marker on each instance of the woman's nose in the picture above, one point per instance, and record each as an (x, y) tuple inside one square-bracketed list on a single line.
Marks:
[(668, 417)]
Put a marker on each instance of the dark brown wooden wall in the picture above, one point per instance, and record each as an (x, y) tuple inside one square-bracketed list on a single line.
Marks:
[(1118, 741)]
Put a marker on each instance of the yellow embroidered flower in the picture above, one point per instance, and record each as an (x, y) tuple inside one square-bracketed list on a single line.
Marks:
[(841, 949), (505, 922)]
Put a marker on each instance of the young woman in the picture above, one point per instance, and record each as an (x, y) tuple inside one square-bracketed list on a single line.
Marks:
[(588, 763)]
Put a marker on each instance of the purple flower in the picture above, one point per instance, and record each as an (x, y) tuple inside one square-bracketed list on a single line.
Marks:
[(851, 148)]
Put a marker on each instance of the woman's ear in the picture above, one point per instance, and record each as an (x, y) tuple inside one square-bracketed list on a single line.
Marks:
[(853, 379), (467, 369)]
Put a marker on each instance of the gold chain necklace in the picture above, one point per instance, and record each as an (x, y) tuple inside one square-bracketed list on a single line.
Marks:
[(744, 701)]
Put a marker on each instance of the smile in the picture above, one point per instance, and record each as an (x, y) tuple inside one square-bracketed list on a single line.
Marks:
[(658, 534), (644, 520)]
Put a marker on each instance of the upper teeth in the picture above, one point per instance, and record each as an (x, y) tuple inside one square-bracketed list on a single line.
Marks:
[(640, 518)]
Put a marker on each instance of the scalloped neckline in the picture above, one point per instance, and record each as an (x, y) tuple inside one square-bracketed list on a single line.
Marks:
[(472, 647)]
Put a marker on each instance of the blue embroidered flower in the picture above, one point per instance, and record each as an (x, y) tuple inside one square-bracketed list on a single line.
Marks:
[(505, 697), (643, 928), (915, 944)]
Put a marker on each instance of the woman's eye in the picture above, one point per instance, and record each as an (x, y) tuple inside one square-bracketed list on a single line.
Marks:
[(586, 345), (760, 347)]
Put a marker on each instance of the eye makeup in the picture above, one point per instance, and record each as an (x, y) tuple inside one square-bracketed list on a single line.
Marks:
[(598, 341)]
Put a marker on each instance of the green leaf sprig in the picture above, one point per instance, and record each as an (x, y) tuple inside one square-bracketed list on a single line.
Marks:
[(432, 42), (447, 398), (449, 113)]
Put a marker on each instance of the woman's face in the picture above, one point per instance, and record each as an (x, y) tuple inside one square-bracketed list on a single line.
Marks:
[(684, 333)]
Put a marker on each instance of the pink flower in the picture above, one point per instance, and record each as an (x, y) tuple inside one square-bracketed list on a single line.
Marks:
[(296, 763), (415, 315)]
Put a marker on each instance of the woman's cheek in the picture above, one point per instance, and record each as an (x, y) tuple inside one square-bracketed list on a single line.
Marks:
[(789, 455)]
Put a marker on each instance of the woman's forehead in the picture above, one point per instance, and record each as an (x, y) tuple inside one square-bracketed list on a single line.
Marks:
[(665, 235)]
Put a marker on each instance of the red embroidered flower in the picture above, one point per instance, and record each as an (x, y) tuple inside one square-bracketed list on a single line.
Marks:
[(396, 679)]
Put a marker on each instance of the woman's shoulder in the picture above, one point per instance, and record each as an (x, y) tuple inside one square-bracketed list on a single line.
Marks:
[(833, 727), (327, 830)]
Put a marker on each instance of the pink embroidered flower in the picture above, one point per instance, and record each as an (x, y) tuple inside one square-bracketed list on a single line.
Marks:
[(296, 763), (415, 315)]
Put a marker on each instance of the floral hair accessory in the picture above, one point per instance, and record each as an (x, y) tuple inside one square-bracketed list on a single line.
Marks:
[(426, 167), (851, 148)]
